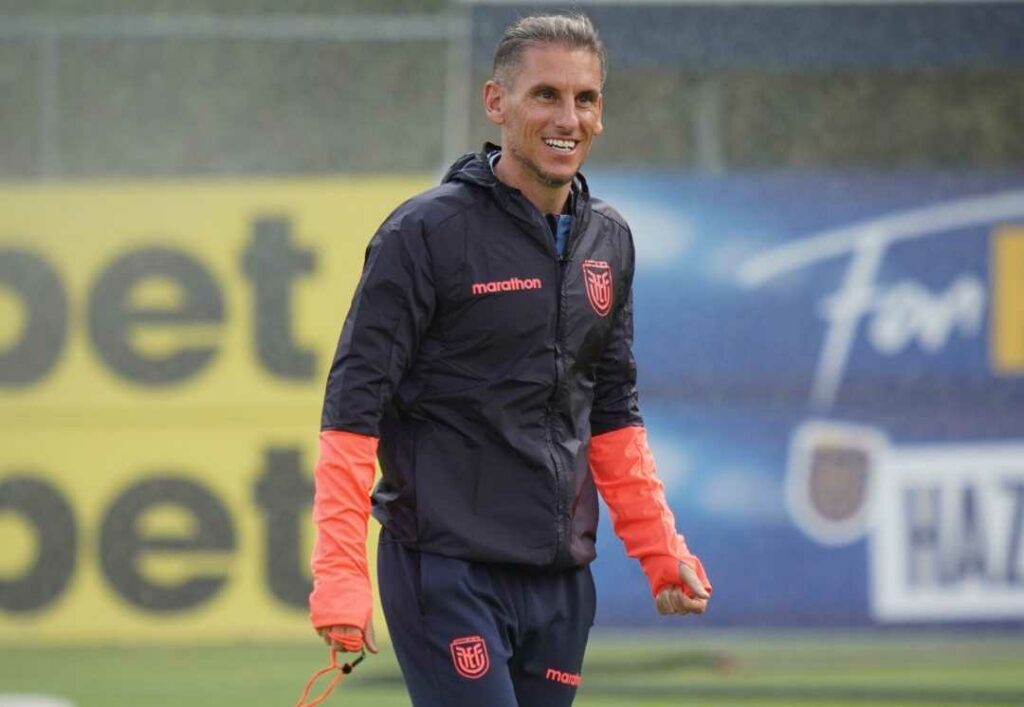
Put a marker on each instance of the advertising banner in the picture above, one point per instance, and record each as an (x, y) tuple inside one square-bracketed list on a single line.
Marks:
[(163, 352), (832, 373)]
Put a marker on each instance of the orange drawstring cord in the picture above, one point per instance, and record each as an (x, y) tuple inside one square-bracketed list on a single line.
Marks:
[(342, 672)]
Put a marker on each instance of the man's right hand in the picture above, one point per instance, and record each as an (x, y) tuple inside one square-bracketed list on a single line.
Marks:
[(368, 639)]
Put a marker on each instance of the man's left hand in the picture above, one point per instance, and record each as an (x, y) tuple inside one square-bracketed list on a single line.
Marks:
[(673, 600)]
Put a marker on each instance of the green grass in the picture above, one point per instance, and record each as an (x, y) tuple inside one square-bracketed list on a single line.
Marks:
[(805, 670)]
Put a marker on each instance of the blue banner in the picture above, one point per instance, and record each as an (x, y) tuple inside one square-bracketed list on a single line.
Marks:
[(832, 376)]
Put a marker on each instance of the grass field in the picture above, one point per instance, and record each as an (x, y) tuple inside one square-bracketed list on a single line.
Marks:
[(804, 670)]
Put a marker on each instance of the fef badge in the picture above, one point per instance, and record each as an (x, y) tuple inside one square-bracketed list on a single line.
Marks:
[(470, 657), (598, 276)]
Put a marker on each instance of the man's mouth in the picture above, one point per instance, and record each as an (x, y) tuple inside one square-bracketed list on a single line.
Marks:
[(562, 145)]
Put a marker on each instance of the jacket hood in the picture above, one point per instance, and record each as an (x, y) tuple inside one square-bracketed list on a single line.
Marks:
[(475, 168)]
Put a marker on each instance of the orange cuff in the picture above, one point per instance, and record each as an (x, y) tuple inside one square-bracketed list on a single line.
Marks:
[(663, 571), (624, 473), (341, 509)]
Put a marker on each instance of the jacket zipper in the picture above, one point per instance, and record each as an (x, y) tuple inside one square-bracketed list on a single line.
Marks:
[(560, 535), (562, 484)]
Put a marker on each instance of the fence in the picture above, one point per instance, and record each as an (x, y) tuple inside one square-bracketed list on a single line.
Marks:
[(714, 87)]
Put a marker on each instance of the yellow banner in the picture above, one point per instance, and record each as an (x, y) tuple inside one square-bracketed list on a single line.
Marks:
[(1007, 346), (163, 349)]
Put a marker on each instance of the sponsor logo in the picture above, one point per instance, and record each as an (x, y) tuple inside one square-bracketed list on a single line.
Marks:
[(895, 316), (469, 654), (513, 284), (147, 338), (944, 522), (598, 276), (948, 541), (573, 679)]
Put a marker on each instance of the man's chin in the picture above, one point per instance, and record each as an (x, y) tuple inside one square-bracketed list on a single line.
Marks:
[(549, 178), (556, 182), (556, 179)]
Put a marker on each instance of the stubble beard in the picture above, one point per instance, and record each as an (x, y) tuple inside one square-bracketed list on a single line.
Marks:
[(546, 178)]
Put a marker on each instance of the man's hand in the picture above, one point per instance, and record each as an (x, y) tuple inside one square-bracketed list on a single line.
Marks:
[(369, 640), (673, 600)]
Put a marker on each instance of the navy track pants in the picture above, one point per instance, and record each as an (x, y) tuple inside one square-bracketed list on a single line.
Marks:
[(471, 634)]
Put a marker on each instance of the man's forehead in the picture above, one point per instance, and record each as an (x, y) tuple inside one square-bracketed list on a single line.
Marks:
[(555, 64)]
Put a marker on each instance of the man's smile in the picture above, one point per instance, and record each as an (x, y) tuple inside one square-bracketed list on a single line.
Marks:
[(564, 145)]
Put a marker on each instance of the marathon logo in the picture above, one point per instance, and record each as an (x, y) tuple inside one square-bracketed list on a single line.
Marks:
[(513, 284), (573, 679)]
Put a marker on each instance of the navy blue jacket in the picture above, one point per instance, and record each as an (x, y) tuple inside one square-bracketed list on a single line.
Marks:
[(484, 362)]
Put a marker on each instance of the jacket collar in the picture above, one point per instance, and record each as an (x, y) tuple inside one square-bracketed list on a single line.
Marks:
[(475, 168)]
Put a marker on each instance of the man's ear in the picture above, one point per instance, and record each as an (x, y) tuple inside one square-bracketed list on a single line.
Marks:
[(599, 128), (494, 102)]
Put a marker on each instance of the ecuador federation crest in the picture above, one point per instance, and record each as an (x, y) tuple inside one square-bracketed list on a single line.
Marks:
[(598, 277), (470, 657), (830, 479)]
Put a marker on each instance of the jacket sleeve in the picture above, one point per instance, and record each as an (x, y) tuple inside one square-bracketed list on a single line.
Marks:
[(341, 509), (624, 473), (622, 464), (615, 399), (391, 309)]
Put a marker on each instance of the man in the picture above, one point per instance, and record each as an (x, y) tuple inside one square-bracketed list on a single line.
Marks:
[(486, 362)]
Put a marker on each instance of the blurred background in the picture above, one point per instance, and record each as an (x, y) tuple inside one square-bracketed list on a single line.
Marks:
[(828, 205)]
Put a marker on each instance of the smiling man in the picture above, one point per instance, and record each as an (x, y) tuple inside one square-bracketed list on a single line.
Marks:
[(487, 363)]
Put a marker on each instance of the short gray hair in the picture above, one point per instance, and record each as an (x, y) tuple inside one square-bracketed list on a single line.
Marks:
[(572, 31)]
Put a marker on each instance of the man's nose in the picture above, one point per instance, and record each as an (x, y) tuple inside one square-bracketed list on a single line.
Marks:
[(567, 117)]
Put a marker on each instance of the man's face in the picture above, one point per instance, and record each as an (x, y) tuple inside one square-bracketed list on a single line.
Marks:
[(549, 110)]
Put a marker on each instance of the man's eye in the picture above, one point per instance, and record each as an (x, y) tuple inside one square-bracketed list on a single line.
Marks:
[(546, 93)]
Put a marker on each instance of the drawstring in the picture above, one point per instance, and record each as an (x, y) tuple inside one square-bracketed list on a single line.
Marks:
[(342, 672)]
